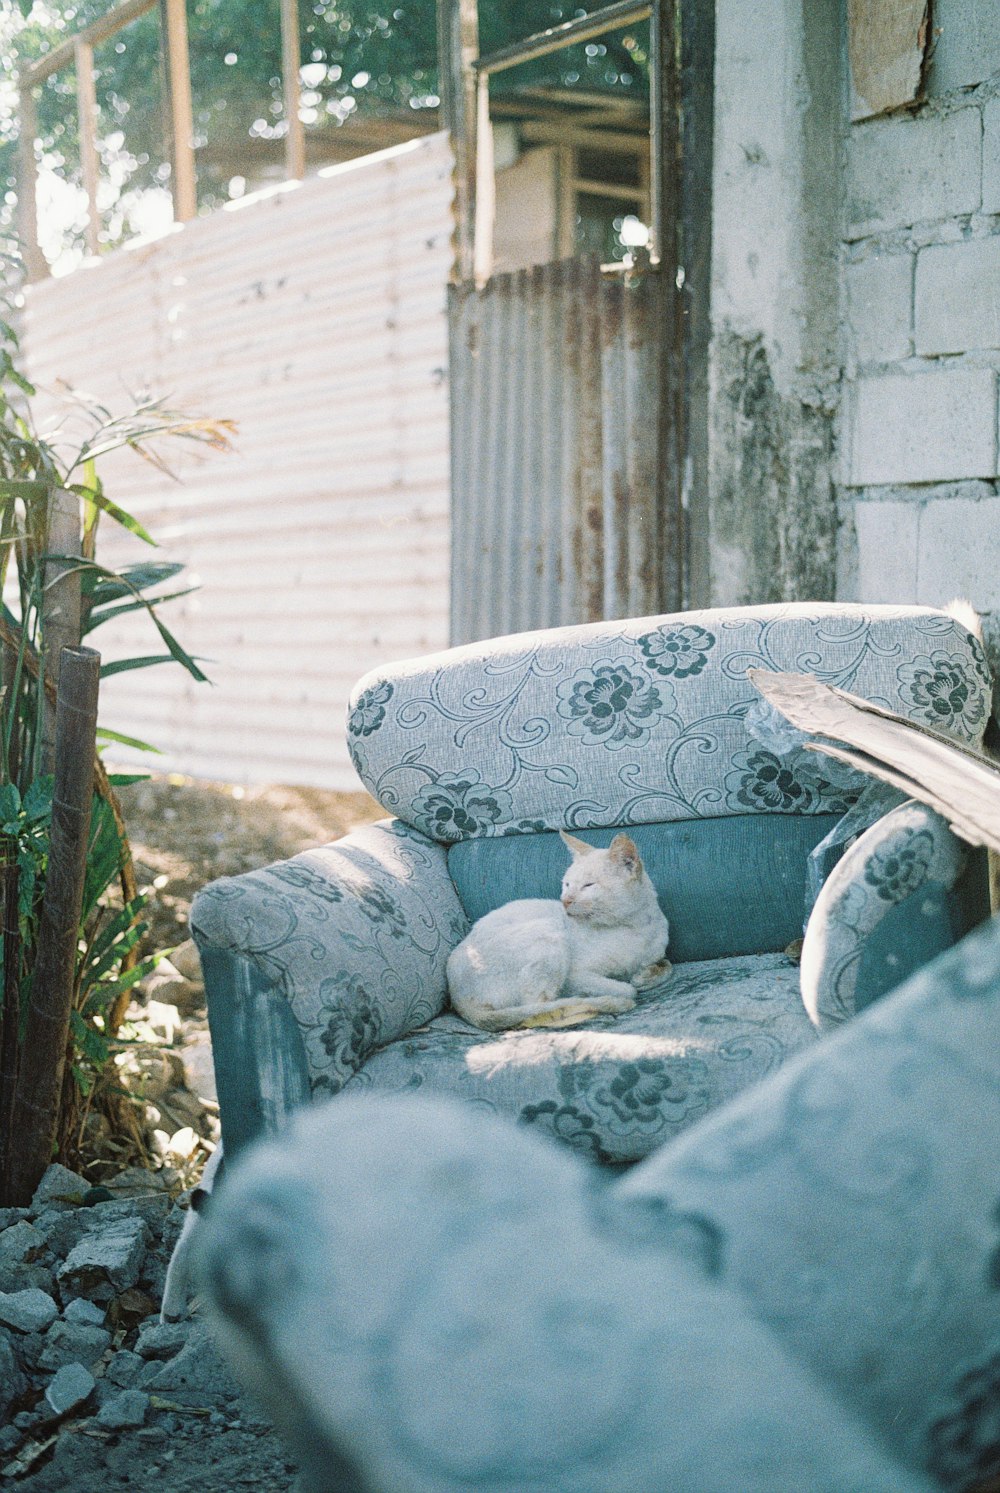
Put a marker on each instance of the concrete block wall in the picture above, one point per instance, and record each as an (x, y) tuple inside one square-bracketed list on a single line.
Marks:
[(919, 464)]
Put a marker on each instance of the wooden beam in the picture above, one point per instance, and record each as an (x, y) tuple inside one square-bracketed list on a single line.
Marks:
[(86, 108), (291, 61), (100, 30), (27, 186), (458, 46), (180, 129)]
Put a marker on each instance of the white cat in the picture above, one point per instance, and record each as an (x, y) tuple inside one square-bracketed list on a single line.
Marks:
[(549, 962)]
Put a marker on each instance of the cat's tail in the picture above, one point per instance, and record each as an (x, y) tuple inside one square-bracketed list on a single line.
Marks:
[(570, 1011)]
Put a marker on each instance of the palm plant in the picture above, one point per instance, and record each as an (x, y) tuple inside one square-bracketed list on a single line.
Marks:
[(54, 593)]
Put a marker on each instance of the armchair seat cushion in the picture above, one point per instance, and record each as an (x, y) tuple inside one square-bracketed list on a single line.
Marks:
[(620, 1087)]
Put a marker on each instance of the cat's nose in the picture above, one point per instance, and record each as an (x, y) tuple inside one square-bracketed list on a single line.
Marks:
[(567, 901)]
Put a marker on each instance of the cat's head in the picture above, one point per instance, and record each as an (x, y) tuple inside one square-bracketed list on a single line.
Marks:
[(601, 886)]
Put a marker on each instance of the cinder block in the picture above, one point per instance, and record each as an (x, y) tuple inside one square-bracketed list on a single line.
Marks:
[(911, 170), (991, 157), (887, 551), (957, 298), (879, 302), (959, 552), (967, 43), (922, 427)]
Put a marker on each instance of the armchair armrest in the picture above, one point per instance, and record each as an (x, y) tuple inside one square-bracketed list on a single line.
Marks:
[(312, 963), (903, 893)]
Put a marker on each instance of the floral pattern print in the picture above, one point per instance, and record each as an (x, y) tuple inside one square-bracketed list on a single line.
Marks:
[(369, 709), (762, 781), (639, 722), (680, 651), (458, 805), (612, 705), (301, 876), (900, 869), (911, 849), (944, 692)]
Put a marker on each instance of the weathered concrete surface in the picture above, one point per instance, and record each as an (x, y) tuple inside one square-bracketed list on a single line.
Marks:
[(770, 528), (774, 515)]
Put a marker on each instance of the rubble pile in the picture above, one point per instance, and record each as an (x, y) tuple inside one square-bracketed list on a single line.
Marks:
[(86, 1366)]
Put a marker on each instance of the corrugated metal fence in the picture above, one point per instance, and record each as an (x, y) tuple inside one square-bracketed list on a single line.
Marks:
[(561, 497), (315, 316)]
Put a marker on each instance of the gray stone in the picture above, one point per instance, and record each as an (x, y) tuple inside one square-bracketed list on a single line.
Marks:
[(12, 1381), (956, 309), (73, 1342), (63, 1231), (106, 1260), (69, 1388), (152, 1208), (27, 1311), (197, 1371), (30, 1348), (87, 1312), (10, 1216), (161, 1339), (124, 1368), (124, 1412), (59, 1189), (10, 1437), (909, 170), (922, 427), (18, 1268)]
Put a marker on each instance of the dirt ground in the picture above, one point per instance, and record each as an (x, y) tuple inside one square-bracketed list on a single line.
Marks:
[(185, 833)]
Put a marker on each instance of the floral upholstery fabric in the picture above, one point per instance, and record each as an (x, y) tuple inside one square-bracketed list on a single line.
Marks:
[(909, 853), (854, 1201), (355, 934), (622, 1086), (642, 721)]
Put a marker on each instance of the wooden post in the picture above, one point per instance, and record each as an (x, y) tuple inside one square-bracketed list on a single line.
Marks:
[(43, 1051), (458, 48), (10, 1005), (86, 108), (180, 130), (27, 187), (291, 58)]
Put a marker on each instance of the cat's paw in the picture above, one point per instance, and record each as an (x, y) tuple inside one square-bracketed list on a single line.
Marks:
[(652, 974)]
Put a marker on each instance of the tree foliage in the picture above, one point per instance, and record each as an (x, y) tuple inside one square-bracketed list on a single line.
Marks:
[(358, 57)]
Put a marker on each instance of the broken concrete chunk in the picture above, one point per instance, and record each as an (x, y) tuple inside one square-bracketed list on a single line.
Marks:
[(59, 1188), (20, 1265), (73, 1342), (86, 1312), (27, 1311), (12, 1381), (196, 1371), (124, 1368), (124, 1412), (161, 1339), (187, 961), (71, 1387), (107, 1260)]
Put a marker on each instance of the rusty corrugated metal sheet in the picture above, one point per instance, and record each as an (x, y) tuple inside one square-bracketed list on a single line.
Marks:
[(314, 315), (557, 478)]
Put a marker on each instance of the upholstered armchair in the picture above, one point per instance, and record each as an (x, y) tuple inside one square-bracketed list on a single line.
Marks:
[(326, 973)]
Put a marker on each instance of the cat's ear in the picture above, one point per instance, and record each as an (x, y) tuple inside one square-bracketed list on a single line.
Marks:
[(575, 847), (624, 854)]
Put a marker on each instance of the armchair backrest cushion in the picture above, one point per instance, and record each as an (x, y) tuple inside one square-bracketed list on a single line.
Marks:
[(626, 723), (728, 886)]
